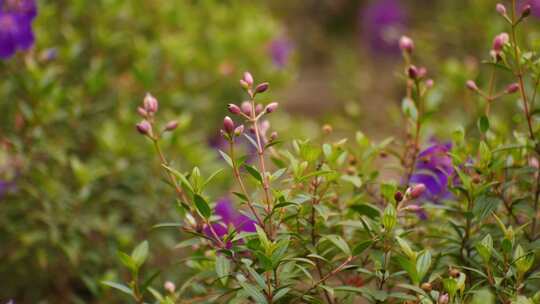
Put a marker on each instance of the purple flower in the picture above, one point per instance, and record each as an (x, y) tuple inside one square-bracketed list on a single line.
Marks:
[(229, 217), (535, 7), (16, 18), (280, 50), (434, 169), (383, 23)]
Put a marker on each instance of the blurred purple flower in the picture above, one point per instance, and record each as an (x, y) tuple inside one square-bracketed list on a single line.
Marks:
[(434, 169), (383, 23), (280, 50), (16, 18), (229, 217), (535, 6)]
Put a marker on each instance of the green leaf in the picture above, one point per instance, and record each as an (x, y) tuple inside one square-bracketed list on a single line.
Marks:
[(339, 242), (358, 249), (180, 176), (127, 260), (123, 288), (410, 267), (202, 206), (140, 253), (223, 268), (253, 292), (367, 209), (423, 263), (483, 124), (389, 217), (406, 248), (484, 206), (226, 157), (254, 173)]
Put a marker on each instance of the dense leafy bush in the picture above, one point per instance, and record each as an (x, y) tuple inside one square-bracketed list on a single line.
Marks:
[(341, 221), (73, 186)]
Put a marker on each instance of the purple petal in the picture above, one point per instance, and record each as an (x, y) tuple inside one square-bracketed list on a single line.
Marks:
[(220, 229), (25, 36), (7, 36), (225, 209), (243, 223)]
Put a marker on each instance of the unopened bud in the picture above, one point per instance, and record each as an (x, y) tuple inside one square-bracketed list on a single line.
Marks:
[(422, 72), (273, 136), (271, 107), (499, 41), (228, 125), (443, 299), (512, 88), (501, 9), (429, 83), (398, 196), (246, 108), (248, 78), (406, 44), (239, 130), (150, 103), (261, 88), (417, 190), (526, 11), (234, 109), (454, 273), (471, 85), (426, 287), (171, 125), (142, 112), (169, 286), (412, 71), (327, 129), (244, 84), (144, 127)]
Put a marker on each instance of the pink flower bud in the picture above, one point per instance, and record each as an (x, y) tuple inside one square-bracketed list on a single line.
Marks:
[(142, 112), (171, 125), (398, 196), (228, 124), (443, 299), (471, 85), (144, 127), (258, 109), (412, 71), (239, 130), (271, 107), (248, 78), (526, 11), (261, 88), (512, 88), (417, 190), (246, 108), (150, 103), (501, 9), (499, 41), (273, 136), (169, 286), (422, 72), (406, 44), (234, 109), (429, 83)]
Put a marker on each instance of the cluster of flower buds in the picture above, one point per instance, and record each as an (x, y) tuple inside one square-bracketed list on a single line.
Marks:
[(147, 111), (247, 83), (416, 73), (230, 130), (412, 193), (247, 108)]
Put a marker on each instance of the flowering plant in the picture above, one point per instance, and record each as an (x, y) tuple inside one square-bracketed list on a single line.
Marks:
[(456, 222)]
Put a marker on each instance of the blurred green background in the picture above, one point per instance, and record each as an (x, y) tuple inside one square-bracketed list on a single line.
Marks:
[(76, 178)]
